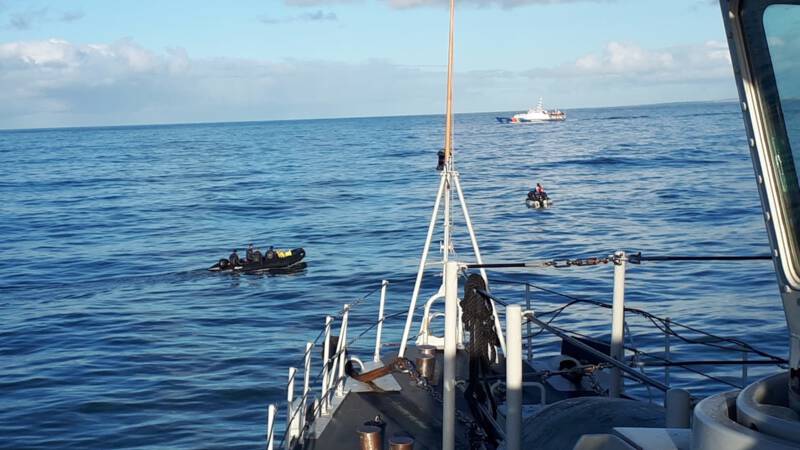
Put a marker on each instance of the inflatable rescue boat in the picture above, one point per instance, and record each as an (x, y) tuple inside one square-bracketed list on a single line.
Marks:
[(275, 261)]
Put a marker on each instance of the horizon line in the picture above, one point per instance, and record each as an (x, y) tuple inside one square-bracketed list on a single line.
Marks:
[(172, 124)]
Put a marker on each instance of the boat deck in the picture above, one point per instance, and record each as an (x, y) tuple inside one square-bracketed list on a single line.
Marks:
[(412, 411)]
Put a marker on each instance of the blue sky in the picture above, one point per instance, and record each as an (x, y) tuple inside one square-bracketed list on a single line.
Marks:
[(92, 62)]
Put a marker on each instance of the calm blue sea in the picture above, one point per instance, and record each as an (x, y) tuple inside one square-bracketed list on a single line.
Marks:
[(114, 335)]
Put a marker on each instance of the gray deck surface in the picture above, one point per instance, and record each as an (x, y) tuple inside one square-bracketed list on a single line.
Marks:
[(414, 412)]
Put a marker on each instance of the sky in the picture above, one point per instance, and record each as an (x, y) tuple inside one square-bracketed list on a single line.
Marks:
[(100, 62)]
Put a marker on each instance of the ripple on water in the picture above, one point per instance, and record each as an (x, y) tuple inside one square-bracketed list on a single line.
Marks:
[(115, 335)]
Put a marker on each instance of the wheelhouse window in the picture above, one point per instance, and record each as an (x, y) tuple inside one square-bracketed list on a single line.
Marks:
[(773, 47)]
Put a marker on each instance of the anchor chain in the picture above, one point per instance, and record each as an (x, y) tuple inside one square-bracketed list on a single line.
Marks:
[(475, 434)]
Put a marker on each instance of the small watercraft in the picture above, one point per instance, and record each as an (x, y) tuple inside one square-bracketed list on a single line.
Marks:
[(535, 200), (538, 114), (276, 261)]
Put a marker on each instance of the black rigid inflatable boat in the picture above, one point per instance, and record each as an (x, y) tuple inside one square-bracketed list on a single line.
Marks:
[(278, 261), (538, 201)]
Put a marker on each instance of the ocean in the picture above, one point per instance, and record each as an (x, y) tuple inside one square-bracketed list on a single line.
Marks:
[(114, 334)]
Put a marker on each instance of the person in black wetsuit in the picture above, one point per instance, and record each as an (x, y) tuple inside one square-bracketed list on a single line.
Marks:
[(540, 193), (234, 259), (270, 252), (250, 256)]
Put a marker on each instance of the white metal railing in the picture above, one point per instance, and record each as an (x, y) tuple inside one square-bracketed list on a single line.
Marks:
[(676, 401), (332, 375)]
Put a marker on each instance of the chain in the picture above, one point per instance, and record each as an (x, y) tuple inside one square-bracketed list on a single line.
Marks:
[(475, 434)]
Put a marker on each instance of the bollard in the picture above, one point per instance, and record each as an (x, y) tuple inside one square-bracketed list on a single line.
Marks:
[(679, 408), (425, 349), (426, 365), (401, 442), (370, 437)]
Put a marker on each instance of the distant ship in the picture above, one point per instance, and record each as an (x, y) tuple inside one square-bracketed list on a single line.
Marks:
[(538, 114)]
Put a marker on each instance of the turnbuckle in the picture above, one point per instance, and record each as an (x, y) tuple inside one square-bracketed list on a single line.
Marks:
[(560, 264)]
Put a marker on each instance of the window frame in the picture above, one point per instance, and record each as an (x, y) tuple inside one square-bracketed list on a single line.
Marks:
[(762, 106)]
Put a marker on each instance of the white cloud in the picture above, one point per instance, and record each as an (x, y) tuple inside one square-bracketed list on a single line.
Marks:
[(403, 4), (27, 19), (59, 83), (315, 16), (629, 62)]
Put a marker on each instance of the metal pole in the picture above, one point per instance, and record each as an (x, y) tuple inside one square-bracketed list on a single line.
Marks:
[(377, 357), (514, 377), (326, 359), (306, 384), (270, 426), (342, 351), (450, 338), (667, 350), (478, 258), (417, 284), (447, 207), (528, 326), (290, 403), (744, 368), (618, 324)]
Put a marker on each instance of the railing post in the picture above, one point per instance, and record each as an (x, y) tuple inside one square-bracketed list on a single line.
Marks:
[(290, 405), (270, 427), (618, 324), (513, 377), (326, 357), (667, 350), (306, 385), (342, 351), (528, 326), (450, 338), (744, 368), (377, 357)]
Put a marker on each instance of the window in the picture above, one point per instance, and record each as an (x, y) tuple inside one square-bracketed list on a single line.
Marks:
[(781, 23)]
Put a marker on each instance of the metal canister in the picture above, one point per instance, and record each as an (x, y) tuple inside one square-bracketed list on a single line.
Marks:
[(426, 364), (401, 442), (426, 350), (370, 437)]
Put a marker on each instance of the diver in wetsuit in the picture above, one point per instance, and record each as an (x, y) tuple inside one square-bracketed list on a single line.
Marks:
[(270, 252), (540, 193), (234, 259), (250, 253)]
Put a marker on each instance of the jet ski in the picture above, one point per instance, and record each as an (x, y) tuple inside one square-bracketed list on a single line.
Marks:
[(277, 261), (538, 201)]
